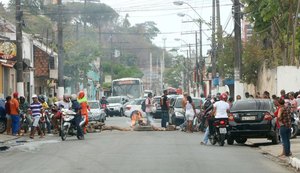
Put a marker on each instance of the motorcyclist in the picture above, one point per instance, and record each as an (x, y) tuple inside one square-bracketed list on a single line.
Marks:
[(78, 118), (84, 108), (43, 118), (220, 111), (24, 106), (64, 103), (104, 103)]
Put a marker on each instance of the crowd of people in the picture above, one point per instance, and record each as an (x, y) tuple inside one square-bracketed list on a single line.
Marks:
[(286, 104), (43, 114)]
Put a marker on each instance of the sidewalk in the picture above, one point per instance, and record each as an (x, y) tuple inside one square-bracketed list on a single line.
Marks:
[(275, 150), (5, 138)]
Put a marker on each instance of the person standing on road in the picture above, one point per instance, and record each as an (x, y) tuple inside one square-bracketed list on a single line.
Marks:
[(8, 117), (164, 103), (36, 111), (284, 119), (84, 108), (14, 111), (78, 118), (190, 112), (148, 103)]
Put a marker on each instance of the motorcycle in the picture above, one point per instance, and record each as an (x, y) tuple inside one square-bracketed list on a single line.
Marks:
[(219, 133), (295, 122), (208, 107), (68, 124)]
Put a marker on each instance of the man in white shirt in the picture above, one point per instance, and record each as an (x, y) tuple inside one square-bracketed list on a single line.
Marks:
[(220, 111)]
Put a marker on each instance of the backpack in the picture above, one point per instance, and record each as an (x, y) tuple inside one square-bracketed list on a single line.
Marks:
[(143, 105)]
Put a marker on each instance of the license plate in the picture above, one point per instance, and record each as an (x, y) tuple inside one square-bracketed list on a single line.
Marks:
[(248, 118), (223, 130)]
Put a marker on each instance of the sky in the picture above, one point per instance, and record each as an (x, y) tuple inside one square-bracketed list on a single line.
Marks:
[(164, 14)]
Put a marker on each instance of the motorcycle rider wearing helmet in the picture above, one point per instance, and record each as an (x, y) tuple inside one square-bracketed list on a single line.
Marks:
[(84, 108), (78, 118), (24, 106), (220, 111)]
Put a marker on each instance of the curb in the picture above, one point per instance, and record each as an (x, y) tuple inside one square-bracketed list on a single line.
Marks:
[(10, 139), (291, 161)]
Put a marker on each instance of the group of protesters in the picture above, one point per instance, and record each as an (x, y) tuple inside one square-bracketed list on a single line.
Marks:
[(17, 108)]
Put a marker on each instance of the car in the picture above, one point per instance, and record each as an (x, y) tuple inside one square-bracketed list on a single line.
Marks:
[(176, 112), (156, 102), (116, 105), (252, 118), (134, 105), (2, 116), (96, 113)]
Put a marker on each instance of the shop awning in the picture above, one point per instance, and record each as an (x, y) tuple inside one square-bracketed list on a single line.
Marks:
[(7, 63)]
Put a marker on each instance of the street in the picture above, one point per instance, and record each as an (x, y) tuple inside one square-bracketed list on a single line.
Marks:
[(133, 152)]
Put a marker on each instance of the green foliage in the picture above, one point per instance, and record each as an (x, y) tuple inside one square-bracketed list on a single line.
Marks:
[(121, 71), (226, 58)]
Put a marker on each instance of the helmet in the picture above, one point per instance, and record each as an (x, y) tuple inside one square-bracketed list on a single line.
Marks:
[(223, 97), (73, 97), (15, 94), (41, 98), (81, 94)]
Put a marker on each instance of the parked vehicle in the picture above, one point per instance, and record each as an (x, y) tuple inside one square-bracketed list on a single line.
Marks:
[(156, 102), (2, 116), (68, 124), (219, 134), (116, 105), (96, 113), (252, 118), (176, 112), (134, 105), (295, 125)]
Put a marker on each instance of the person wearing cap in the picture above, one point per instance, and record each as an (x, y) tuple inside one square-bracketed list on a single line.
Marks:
[(14, 111), (36, 111)]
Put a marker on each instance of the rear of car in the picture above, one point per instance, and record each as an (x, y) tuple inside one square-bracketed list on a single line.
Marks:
[(96, 113), (253, 118)]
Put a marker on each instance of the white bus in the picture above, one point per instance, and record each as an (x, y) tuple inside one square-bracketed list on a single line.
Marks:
[(130, 87)]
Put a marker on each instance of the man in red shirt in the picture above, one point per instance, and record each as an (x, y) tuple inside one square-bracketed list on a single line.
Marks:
[(14, 111)]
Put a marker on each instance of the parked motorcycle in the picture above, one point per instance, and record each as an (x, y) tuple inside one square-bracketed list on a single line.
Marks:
[(219, 133), (68, 124), (295, 122)]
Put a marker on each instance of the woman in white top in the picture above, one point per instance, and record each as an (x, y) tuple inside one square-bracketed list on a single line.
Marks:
[(190, 112)]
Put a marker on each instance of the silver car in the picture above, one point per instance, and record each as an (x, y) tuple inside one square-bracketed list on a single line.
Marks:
[(96, 113)]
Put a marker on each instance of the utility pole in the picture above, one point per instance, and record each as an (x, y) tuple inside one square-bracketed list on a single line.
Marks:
[(201, 57), (20, 80), (60, 51), (219, 28), (150, 63), (111, 57), (238, 46), (162, 66), (213, 40), (197, 66)]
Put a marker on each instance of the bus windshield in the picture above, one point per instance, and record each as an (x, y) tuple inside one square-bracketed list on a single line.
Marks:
[(131, 91)]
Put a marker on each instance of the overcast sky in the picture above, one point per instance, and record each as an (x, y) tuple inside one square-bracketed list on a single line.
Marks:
[(164, 14)]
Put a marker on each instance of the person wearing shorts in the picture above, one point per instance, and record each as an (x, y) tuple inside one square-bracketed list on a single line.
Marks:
[(36, 110)]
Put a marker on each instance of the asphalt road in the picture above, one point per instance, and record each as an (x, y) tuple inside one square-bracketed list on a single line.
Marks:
[(134, 152)]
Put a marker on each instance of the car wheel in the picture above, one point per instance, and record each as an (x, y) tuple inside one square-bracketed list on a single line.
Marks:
[(241, 140), (276, 137), (2, 126), (230, 140), (294, 131)]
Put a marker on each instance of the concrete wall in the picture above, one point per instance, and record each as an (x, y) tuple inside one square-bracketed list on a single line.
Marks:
[(288, 78)]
